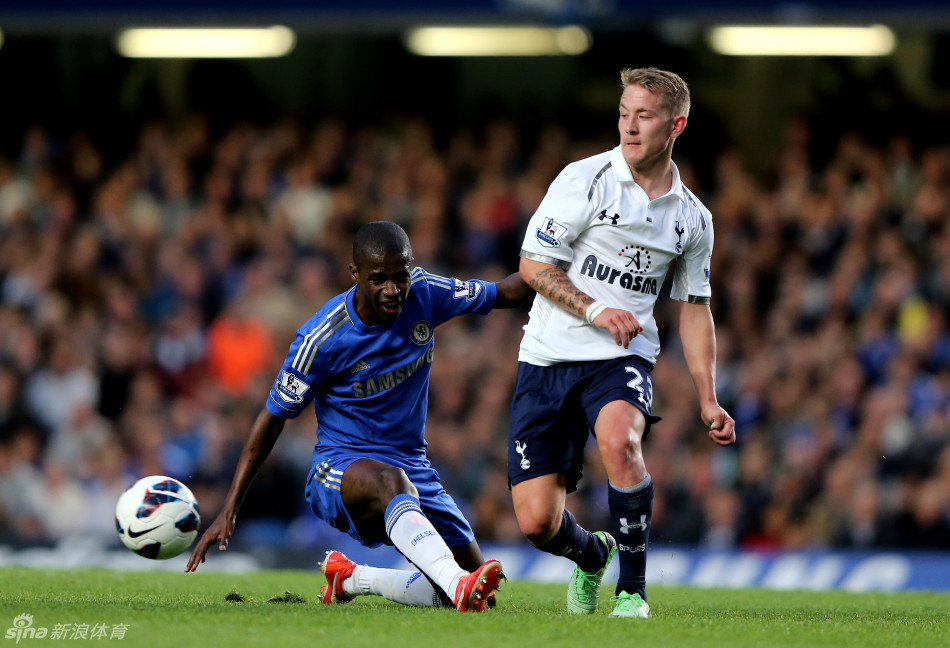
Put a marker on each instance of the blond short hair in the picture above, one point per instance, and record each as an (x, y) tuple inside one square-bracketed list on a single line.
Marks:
[(670, 87)]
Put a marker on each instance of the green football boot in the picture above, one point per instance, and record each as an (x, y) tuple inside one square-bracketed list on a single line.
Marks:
[(632, 606), (583, 592)]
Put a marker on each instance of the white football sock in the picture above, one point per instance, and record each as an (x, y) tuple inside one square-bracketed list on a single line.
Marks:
[(415, 537), (401, 586)]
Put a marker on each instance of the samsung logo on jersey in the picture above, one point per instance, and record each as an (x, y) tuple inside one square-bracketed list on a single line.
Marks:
[(390, 379), (637, 283)]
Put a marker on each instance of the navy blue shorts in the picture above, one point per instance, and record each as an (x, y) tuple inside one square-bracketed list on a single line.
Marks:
[(554, 409)]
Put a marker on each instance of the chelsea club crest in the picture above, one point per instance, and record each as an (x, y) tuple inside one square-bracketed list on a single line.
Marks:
[(421, 332)]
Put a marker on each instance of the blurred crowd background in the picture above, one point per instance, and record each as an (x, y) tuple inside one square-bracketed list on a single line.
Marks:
[(152, 279)]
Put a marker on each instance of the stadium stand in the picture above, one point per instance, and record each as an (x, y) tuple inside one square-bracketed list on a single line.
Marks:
[(129, 283)]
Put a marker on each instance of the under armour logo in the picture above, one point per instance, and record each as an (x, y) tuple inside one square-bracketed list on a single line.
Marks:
[(520, 448), (679, 234), (625, 528), (613, 219)]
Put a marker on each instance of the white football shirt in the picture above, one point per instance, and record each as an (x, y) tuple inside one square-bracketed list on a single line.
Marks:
[(616, 245)]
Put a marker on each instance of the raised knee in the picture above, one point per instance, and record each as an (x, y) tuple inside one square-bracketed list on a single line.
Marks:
[(621, 446), (538, 531), (393, 481)]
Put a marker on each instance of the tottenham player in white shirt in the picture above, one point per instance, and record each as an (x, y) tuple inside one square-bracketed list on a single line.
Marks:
[(597, 251)]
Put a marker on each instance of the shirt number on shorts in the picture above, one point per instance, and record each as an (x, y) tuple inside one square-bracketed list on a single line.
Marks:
[(644, 388)]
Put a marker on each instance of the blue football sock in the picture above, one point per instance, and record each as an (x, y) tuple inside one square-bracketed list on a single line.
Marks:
[(577, 543), (631, 512)]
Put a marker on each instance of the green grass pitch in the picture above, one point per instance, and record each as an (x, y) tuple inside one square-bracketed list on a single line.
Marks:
[(281, 609)]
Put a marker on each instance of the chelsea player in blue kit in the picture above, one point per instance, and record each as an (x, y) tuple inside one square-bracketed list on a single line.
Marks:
[(364, 361)]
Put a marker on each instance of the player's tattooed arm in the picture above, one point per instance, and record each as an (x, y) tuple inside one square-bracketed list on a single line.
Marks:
[(552, 282)]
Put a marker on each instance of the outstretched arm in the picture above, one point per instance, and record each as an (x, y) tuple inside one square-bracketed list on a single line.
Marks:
[(512, 291), (264, 433), (698, 335), (552, 282)]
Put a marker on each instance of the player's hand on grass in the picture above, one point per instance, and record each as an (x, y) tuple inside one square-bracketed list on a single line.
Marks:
[(722, 427), (220, 531), (621, 324)]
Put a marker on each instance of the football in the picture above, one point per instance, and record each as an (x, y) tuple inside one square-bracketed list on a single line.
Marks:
[(157, 517)]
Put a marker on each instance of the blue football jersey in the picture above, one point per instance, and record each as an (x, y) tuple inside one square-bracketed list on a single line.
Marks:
[(370, 384)]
